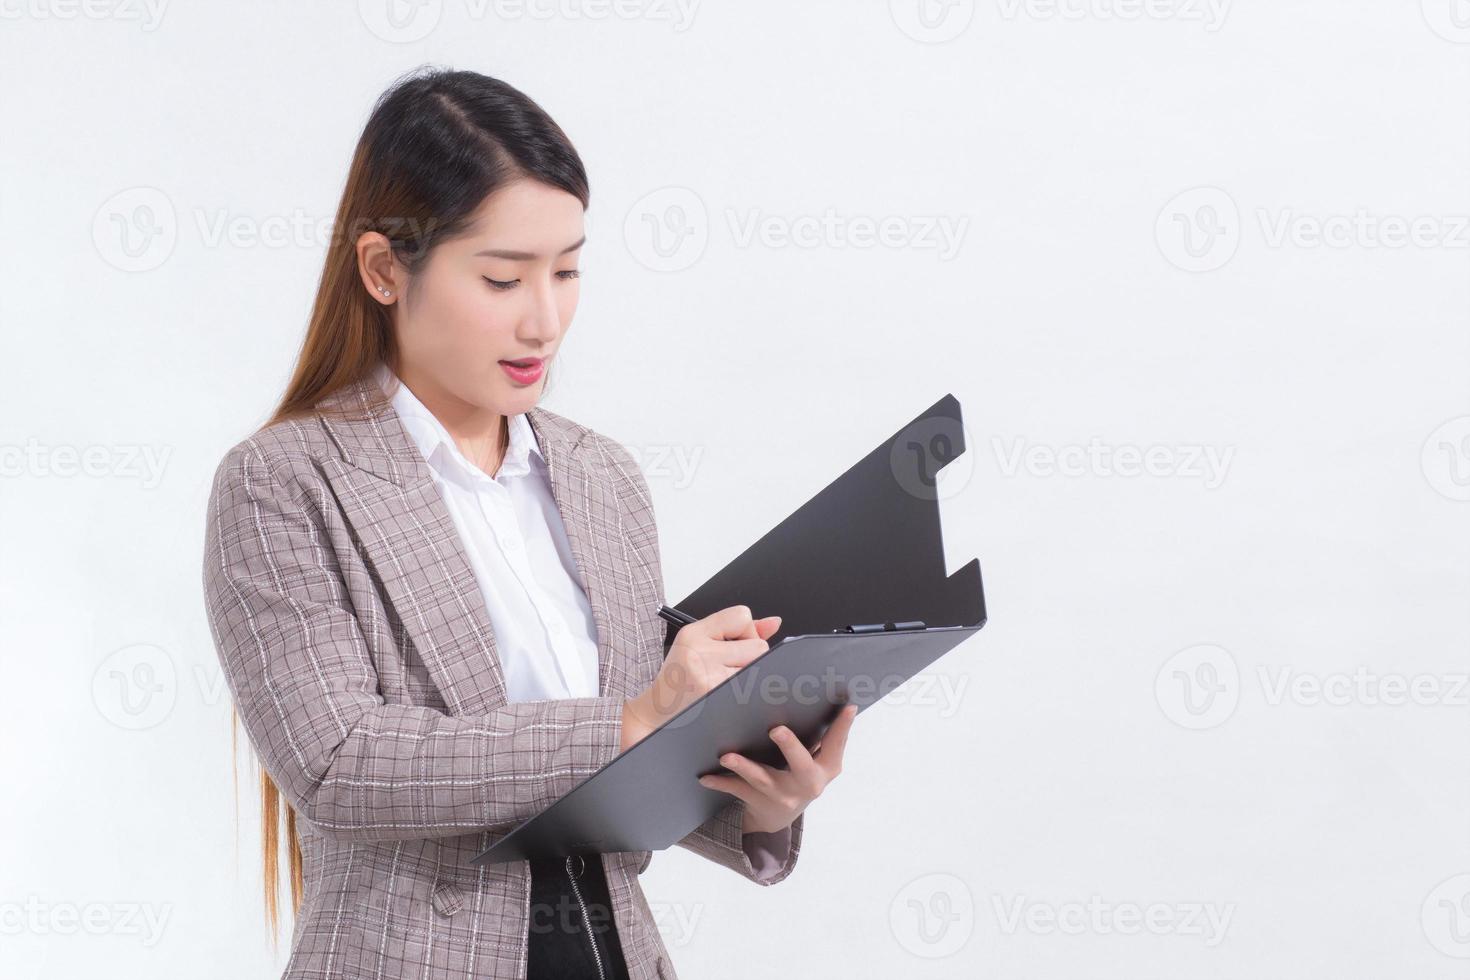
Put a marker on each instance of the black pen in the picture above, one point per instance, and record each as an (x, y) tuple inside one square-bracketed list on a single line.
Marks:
[(676, 616)]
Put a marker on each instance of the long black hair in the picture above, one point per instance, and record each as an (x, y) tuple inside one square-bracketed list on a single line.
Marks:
[(437, 144)]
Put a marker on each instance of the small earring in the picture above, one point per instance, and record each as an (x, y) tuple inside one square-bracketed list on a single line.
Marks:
[(385, 292)]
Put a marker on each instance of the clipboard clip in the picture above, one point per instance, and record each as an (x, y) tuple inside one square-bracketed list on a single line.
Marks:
[(913, 624)]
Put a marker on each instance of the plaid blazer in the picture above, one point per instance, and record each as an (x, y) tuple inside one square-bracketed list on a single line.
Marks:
[(355, 643)]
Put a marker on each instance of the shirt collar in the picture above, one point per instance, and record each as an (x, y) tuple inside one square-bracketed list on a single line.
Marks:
[(438, 446)]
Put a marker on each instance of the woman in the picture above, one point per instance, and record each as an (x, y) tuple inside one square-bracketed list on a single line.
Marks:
[(435, 602)]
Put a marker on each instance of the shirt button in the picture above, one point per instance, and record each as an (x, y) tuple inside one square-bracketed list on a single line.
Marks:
[(556, 627), (512, 542)]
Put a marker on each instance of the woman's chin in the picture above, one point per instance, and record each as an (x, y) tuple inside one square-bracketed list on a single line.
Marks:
[(513, 399)]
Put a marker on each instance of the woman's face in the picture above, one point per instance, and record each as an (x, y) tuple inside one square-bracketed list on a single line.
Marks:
[(503, 292)]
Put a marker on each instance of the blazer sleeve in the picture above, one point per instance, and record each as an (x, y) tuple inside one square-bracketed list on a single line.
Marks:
[(304, 683), (762, 858)]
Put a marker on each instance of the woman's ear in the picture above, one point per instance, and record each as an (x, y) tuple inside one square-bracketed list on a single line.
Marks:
[(376, 267)]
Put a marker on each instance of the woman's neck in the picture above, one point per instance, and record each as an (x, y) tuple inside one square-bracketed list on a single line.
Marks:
[(483, 436)]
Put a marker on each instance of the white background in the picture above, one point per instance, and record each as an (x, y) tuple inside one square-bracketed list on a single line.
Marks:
[(1237, 690)]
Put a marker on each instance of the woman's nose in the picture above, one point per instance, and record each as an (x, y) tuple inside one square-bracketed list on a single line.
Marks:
[(543, 320), (543, 328)]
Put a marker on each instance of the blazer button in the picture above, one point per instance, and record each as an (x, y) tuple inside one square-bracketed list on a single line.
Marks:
[(447, 898)]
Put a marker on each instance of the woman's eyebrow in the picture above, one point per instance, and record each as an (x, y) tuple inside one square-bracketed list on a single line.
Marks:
[(505, 253)]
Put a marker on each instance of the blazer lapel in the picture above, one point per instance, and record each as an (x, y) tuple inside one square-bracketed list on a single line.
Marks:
[(593, 522), (388, 495)]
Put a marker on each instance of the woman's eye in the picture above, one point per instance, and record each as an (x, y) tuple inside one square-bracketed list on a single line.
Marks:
[(507, 284)]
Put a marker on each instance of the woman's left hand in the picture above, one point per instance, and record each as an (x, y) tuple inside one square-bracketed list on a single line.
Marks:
[(775, 797)]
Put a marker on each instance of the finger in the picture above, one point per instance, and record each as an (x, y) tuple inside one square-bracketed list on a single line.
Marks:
[(798, 759), (733, 785), (759, 775), (737, 653), (834, 740), (767, 626), (730, 623)]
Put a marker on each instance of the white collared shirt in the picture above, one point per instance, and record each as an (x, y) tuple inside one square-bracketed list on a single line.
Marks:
[(545, 636)]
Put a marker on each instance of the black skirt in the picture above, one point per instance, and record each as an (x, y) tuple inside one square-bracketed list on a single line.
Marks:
[(572, 934)]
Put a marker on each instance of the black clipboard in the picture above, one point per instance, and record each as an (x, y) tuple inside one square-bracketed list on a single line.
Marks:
[(858, 575)]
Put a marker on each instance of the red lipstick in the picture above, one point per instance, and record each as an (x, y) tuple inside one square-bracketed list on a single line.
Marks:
[(524, 370)]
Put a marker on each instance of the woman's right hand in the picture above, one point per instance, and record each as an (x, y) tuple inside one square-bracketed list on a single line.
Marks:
[(705, 653)]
